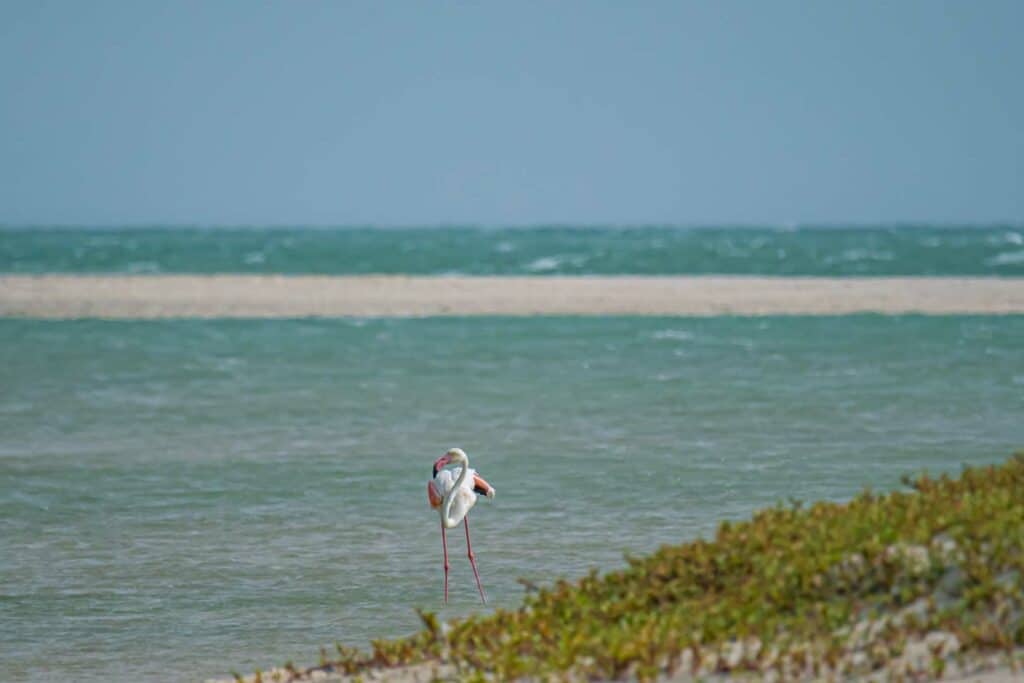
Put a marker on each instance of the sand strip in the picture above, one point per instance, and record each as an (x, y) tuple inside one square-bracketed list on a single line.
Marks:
[(276, 296)]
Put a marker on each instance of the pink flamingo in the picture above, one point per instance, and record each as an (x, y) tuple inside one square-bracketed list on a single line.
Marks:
[(453, 498)]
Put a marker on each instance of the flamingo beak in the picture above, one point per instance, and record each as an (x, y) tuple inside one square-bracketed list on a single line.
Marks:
[(441, 462)]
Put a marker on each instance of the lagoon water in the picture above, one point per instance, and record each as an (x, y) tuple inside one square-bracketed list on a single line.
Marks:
[(179, 499)]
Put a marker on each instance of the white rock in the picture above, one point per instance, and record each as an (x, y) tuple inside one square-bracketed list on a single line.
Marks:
[(733, 653)]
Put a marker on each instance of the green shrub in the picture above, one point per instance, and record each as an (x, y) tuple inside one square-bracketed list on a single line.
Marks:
[(829, 587)]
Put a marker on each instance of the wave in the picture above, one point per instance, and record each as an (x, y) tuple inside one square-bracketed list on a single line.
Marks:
[(1006, 258), (677, 335), (547, 264)]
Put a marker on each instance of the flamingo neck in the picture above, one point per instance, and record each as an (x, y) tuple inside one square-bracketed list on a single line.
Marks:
[(449, 498)]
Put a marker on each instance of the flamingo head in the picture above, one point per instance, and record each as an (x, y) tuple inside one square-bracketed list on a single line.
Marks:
[(454, 455)]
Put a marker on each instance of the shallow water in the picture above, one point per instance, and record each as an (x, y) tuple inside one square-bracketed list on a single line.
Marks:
[(181, 499)]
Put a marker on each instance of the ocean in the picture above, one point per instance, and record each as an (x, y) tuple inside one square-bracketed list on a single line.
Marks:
[(552, 250), (184, 498)]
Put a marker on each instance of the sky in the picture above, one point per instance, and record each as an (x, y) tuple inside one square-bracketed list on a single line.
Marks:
[(514, 113)]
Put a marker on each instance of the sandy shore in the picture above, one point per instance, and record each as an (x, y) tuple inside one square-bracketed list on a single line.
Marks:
[(274, 296)]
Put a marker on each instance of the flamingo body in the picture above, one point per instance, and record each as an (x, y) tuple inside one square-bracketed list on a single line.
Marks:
[(464, 496)]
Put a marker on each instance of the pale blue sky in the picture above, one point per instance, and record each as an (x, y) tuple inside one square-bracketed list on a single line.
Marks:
[(405, 113)]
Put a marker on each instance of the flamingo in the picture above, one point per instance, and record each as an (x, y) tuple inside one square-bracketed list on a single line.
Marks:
[(453, 498)]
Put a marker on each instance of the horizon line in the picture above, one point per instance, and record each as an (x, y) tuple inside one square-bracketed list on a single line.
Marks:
[(539, 225)]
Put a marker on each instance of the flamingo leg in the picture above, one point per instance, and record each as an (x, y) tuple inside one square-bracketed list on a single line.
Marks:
[(444, 546), (472, 560)]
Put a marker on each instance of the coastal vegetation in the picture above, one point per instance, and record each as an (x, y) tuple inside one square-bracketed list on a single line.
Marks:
[(904, 583)]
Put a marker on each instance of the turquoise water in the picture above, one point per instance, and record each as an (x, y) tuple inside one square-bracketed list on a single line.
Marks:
[(995, 250), (180, 499)]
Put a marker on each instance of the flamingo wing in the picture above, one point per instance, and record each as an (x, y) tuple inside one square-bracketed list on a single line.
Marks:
[(481, 486), (433, 495)]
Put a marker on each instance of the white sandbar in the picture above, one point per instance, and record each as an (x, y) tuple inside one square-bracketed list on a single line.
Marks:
[(276, 296)]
